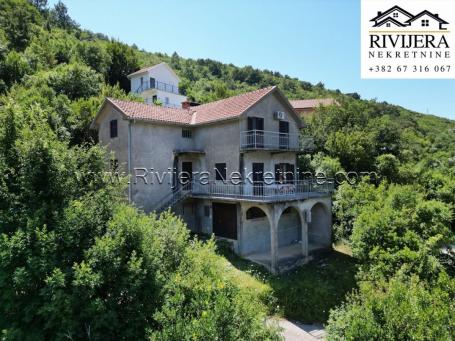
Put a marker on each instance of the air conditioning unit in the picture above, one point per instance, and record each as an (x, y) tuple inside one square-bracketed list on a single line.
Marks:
[(280, 115)]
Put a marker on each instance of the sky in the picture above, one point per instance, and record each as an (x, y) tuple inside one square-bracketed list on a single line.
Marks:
[(313, 40)]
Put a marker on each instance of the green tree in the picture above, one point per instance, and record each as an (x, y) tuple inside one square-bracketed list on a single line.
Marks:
[(123, 62), (75, 81), (59, 17), (400, 309), (17, 18)]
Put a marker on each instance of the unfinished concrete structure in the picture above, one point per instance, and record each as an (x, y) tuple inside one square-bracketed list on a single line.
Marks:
[(228, 167)]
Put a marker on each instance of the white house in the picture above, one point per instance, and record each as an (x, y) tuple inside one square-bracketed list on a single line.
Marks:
[(157, 83)]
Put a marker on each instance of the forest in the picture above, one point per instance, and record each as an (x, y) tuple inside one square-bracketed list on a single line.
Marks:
[(78, 262)]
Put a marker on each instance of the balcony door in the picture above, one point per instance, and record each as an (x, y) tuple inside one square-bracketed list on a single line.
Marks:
[(258, 179), (255, 132), (152, 83), (284, 134)]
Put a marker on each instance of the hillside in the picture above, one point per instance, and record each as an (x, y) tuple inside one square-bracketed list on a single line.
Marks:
[(77, 262)]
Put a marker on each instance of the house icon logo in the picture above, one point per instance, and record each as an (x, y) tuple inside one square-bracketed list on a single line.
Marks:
[(396, 17)]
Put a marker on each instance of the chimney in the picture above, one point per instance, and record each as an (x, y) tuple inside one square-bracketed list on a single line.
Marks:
[(379, 13), (436, 15), (186, 105)]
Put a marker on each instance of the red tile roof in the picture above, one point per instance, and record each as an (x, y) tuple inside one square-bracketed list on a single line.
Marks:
[(229, 107), (312, 103), (150, 112), (206, 113)]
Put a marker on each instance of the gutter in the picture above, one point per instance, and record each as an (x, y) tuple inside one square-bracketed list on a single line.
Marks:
[(129, 160)]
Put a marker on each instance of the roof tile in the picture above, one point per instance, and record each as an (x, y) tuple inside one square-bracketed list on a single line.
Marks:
[(312, 103), (206, 113)]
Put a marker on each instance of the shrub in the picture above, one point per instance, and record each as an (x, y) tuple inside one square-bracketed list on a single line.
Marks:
[(400, 309), (75, 81)]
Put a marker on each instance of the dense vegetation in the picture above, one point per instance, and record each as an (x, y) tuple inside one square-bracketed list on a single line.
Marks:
[(77, 262)]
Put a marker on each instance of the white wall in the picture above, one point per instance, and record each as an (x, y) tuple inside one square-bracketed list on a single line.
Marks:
[(161, 74)]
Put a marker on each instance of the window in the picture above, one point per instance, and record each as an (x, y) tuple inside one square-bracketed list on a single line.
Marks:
[(186, 133), (284, 173), (220, 171), (207, 211), (255, 213), (113, 128), (388, 24), (395, 15), (154, 98), (425, 23)]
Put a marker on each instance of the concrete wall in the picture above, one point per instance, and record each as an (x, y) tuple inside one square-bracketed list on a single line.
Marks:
[(118, 145), (266, 108), (320, 227), (255, 234), (289, 229), (221, 143)]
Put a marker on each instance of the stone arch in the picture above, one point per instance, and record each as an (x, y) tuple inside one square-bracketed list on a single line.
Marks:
[(256, 234), (320, 227)]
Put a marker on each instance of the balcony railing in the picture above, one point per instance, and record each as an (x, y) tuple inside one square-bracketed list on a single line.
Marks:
[(272, 140), (275, 191), (159, 86)]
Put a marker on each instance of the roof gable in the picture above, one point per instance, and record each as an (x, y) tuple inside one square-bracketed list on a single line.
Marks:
[(437, 18), (149, 68), (390, 10), (395, 22)]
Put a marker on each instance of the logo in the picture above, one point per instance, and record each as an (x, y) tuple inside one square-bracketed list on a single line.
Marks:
[(397, 17), (409, 39)]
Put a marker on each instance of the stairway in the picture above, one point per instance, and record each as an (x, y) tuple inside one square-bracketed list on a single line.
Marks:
[(173, 198)]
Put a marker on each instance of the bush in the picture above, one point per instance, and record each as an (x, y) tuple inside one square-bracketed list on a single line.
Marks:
[(400, 309), (75, 81)]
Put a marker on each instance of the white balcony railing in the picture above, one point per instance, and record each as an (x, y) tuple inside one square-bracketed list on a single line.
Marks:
[(261, 190), (272, 140), (159, 86)]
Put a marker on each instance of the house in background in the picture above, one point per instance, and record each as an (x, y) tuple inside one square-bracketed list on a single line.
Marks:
[(247, 146), (306, 107), (157, 83)]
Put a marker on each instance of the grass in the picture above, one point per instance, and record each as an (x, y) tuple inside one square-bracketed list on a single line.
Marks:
[(305, 294)]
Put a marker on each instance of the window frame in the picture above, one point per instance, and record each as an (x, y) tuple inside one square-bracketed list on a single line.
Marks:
[(113, 128), (187, 133)]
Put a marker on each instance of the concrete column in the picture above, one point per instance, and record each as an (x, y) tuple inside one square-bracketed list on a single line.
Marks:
[(305, 250), (274, 238)]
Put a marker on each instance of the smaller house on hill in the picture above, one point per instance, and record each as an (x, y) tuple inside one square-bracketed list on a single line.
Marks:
[(306, 107)]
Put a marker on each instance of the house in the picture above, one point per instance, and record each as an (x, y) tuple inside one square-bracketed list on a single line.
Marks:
[(426, 20), (395, 16), (157, 83), (227, 167), (306, 107)]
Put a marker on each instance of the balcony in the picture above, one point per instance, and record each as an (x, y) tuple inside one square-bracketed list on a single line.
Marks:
[(272, 140), (159, 86), (262, 192)]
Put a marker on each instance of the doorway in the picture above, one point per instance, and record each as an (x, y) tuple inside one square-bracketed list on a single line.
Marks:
[(225, 220), (258, 178)]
